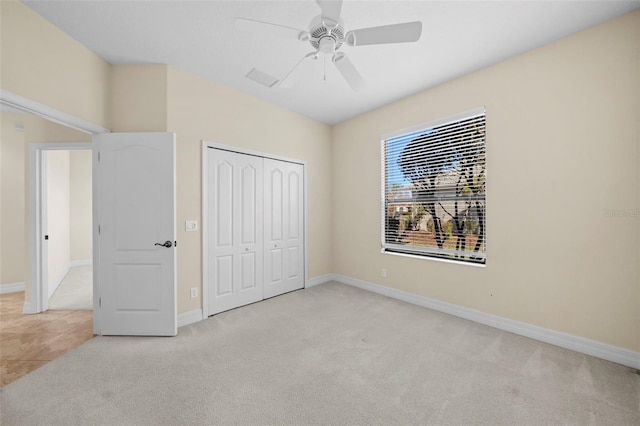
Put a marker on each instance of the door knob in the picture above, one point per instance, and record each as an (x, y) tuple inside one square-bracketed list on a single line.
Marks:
[(165, 244)]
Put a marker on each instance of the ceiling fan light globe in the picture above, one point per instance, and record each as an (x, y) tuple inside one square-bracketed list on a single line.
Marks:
[(327, 45)]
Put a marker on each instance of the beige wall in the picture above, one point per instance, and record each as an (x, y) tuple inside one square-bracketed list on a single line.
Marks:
[(80, 206), (42, 63), (562, 147), (199, 109), (138, 98), (12, 201), (58, 218)]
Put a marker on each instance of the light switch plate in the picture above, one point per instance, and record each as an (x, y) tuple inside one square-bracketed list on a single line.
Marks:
[(191, 225)]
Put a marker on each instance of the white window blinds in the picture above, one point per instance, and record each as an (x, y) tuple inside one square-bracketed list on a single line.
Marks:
[(434, 180)]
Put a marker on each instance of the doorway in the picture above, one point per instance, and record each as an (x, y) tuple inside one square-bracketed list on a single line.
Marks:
[(52, 125), (59, 196), (67, 224)]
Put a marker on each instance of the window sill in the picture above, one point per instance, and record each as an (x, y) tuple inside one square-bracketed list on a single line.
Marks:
[(417, 256)]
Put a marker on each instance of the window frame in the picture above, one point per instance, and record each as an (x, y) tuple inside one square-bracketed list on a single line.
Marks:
[(424, 254)]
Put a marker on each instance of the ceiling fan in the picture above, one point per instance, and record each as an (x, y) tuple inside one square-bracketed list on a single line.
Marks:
[(327, 35)]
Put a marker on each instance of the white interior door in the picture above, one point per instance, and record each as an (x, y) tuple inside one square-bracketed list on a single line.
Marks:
[(136, 217), (235, 209), (284, 227)]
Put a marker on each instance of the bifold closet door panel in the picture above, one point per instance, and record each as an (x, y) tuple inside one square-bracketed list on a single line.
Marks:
[(284, 227), (235, 210)]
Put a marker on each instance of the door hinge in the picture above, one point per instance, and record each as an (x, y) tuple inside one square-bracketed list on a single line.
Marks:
[(98, 155), (98, 229), (100, 302)]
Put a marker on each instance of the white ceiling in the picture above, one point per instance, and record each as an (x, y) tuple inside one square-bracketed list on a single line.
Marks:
[(457, 38)]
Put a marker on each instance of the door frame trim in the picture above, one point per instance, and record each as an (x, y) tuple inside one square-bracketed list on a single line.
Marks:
[(204, 222), (38, 283), (38, 109)]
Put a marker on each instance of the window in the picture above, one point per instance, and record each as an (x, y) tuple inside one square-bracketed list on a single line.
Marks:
[(434, 180)]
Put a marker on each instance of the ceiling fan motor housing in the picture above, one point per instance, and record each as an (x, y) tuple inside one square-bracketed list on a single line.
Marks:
[(325, 38)]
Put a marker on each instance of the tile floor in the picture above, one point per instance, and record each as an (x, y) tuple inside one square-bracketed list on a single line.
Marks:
[(28, 342)]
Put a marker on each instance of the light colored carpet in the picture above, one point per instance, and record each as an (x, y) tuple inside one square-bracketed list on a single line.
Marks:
[(75, 293), (331, 354)]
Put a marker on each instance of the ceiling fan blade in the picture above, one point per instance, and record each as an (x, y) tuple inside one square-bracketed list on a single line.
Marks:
[(331, 10), (348, 71), (290, 79), (396, 33), (262, 28)]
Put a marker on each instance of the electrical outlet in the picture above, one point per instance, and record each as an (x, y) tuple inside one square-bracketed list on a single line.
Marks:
[(194, 292), (191, 225), (384, 273)]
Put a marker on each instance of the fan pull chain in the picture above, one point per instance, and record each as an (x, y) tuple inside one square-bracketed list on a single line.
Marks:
[(325, 67)]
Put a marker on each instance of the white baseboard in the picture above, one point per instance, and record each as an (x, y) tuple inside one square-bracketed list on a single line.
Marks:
[(29, 308), (82, 262), (11, 287), (320, 280), (190, 317), (575, 343)]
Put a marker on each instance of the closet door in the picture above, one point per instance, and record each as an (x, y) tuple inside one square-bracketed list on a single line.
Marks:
[(284, 227), (235, 198)]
